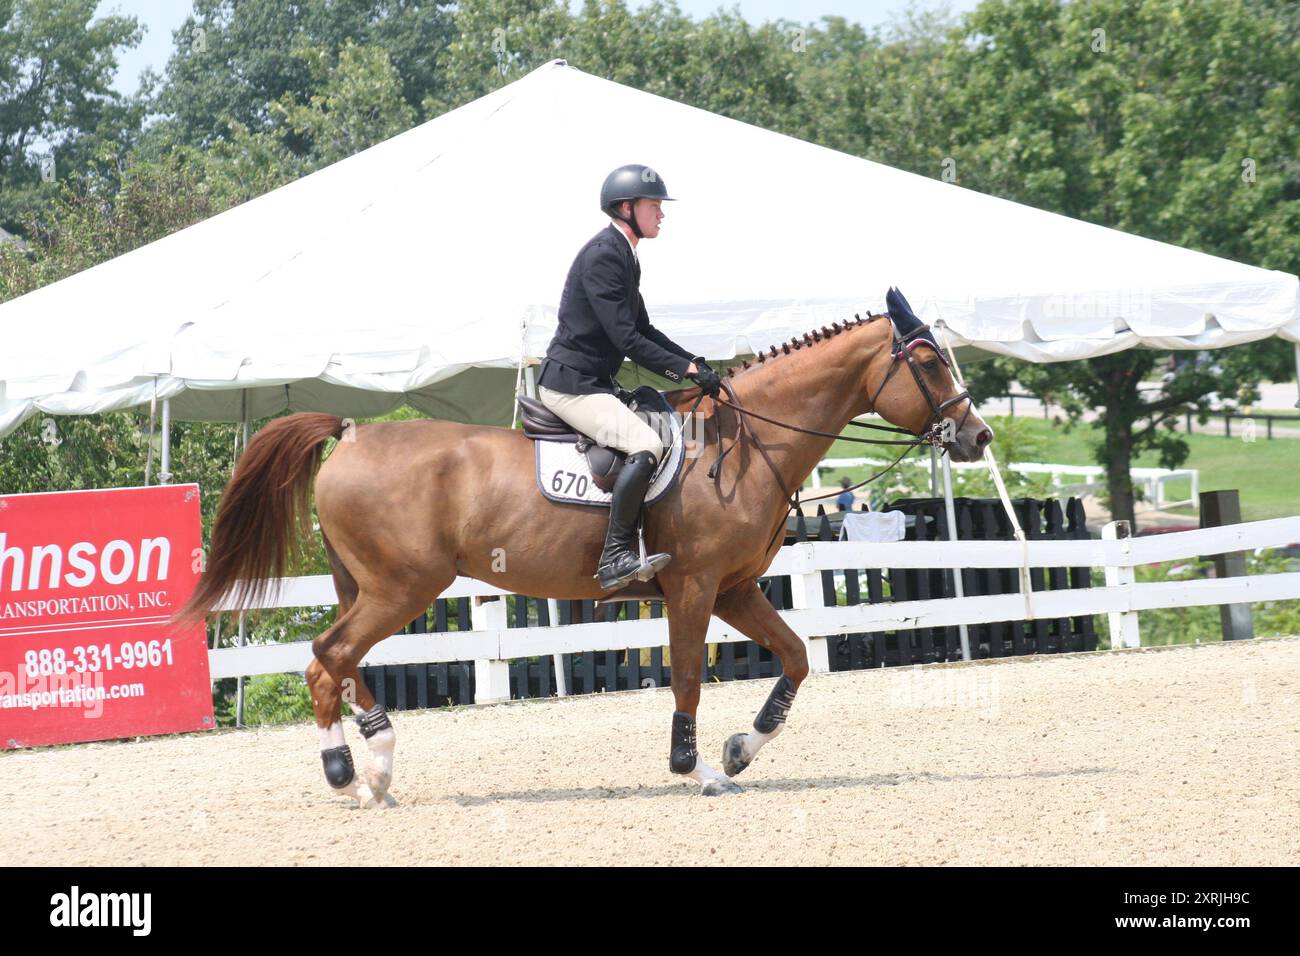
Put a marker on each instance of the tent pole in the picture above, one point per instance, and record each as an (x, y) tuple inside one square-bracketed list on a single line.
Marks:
[(242, 445), (958, 588), (165, 466), (1026, 583), (519, 371), (553, 606), (153, 420), (934, 472), (1297, 371)]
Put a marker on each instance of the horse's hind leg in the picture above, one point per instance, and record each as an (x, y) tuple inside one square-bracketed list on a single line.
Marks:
[(745, 608), (335, 674), (327, 696)]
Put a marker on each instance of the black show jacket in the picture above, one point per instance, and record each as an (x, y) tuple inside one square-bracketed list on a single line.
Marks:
[(603, 319)]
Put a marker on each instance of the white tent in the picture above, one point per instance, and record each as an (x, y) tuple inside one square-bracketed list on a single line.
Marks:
[(424, 269)]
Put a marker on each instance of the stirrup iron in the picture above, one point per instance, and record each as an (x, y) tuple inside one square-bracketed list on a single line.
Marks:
[(647, 569)]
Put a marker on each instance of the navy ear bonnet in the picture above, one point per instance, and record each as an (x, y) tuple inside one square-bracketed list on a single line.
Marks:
[(907, 323)]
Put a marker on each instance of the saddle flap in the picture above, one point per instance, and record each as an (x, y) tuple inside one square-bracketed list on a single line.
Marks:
[(605, 464)]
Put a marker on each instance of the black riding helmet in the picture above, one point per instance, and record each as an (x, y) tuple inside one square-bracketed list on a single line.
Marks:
[(631, 182)]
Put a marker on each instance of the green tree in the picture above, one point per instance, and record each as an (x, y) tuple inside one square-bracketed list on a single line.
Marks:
[(58, 113), (495, 42), (233, 60), (720, 63), (276, 699), (359, 103), (94, 217), (1162, 118)]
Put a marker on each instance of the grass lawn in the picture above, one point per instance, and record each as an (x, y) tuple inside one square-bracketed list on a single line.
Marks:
[(1267, 473)]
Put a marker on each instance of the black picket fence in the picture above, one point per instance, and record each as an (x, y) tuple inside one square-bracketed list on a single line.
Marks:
[(592, 672), (405, 686), (410, 686), (433, 685), (978, 519)]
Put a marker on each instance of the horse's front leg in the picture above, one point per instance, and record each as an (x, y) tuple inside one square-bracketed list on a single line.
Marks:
[(745, 608), (690, 602)]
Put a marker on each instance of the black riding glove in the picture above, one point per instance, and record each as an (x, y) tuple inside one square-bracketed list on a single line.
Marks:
[(709, 381)]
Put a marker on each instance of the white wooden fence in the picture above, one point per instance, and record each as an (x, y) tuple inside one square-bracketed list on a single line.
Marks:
[(1153, 480), (491, 644)]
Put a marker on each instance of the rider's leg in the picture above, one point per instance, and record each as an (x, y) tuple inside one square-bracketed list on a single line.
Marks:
[(604, 418), (614, 425)]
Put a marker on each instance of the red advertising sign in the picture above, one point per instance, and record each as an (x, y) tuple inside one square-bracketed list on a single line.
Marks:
[(88, 580)]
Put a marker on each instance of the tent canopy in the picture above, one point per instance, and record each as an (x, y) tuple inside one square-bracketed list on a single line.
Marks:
[(411, 272)]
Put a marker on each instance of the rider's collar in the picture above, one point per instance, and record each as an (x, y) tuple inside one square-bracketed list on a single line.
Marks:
[(613, 225)]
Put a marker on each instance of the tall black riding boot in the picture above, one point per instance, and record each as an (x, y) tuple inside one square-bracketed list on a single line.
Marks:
[(621, 559)]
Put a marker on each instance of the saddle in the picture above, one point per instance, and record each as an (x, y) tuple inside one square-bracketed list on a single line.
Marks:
[(541, 424)]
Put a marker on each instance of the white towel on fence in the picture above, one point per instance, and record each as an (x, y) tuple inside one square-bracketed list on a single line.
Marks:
[(873, 526)]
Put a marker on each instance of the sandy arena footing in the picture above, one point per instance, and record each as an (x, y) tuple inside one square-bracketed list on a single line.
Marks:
[(1168, 756)]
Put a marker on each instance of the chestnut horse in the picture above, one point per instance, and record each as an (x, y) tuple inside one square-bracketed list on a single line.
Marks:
[(405, 507)]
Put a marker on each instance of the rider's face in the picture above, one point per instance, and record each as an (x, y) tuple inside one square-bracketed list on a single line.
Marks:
[(649, 213)]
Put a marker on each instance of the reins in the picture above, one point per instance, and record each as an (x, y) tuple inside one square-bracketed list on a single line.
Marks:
[(931, 435)]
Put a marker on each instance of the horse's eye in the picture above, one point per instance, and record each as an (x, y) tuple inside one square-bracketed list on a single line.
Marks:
[(931, 365)]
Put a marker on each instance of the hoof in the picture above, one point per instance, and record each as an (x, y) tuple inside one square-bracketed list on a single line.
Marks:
[(733, 755), (373, 802), (378, 781), (366, 798), (718, 788)]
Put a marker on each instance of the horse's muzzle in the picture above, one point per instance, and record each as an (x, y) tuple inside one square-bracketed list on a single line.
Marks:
[(970, 441)]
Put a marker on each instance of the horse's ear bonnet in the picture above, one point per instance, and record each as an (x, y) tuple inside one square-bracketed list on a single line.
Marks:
[(907, 323)]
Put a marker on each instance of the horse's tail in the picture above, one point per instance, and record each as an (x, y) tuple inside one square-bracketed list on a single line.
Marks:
[(263, 513)]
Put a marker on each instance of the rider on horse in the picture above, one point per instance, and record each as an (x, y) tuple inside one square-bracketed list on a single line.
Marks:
[(602, 320)]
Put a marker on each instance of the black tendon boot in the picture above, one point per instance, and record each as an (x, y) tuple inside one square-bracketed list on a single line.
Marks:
[(681, 758), (621, 560)]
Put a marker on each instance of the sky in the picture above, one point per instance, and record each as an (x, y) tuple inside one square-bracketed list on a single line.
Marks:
[(161, 17)]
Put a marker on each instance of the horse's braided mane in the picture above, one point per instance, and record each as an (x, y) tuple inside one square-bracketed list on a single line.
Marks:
[(809, 338)]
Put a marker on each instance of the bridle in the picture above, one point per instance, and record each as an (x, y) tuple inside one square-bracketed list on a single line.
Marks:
[(932, 432), (902, 347)]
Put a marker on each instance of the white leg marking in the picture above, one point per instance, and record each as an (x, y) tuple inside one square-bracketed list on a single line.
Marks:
[(361, 792), (754, 740), (380, 772), (703, 773), (331, 736), (381, 750)]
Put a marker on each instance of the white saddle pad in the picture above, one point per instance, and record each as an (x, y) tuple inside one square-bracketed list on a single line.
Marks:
[(564, 476)]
